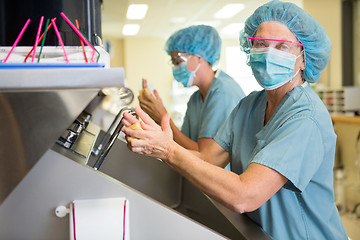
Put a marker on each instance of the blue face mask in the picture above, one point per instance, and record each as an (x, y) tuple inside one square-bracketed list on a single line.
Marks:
[(182, 75), (272, 68)]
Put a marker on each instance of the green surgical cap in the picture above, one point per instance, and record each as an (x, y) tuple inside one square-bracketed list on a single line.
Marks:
[(201, 40), (310, 33)]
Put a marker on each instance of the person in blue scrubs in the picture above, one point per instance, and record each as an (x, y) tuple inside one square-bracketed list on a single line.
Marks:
[(280, 141), (195, 52)]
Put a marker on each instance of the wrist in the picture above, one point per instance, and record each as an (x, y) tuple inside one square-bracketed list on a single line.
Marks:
[(171, 153)]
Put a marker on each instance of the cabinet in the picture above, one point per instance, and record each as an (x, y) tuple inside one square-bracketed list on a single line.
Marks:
[(344, 100)]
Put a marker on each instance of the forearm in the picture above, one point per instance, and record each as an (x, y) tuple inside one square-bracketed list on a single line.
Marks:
[(183, 140), (212, 180)]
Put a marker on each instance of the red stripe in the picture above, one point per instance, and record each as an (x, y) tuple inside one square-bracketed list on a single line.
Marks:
[(124, 220), (73, 213)]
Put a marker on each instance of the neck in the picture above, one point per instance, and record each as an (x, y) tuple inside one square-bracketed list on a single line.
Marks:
[(274, 97), (206, 77)]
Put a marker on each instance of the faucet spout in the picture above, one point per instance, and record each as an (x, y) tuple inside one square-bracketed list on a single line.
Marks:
[(112, 138), (109, 132)]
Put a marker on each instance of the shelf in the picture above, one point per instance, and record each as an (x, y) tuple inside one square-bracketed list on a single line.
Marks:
[(345, 119), (60, 78)]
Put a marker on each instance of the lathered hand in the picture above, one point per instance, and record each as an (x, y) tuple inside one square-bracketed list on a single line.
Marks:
[(152, 140)]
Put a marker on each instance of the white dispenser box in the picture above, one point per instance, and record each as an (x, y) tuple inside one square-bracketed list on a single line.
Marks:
[(94, 219)]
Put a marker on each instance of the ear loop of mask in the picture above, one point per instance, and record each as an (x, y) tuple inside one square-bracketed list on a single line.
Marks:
[(302, 52), (193, 75)]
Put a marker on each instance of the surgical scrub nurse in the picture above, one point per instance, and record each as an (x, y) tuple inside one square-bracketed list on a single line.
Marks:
[(280, 140), (194, 51)]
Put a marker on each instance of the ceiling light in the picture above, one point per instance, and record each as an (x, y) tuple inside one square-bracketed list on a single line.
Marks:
[(178, 20), (232, 30), (229, 10), (131, 29), (137, 11), (209, 23)]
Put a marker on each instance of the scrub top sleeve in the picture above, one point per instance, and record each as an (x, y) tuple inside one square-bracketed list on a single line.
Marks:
[(224, 136), (295, 150), (218, 107), (185, 128)]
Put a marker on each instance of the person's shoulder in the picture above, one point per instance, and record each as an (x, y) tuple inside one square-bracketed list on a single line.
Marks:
[(226, 85), (195, 96), (254, 97), (306, 104), (251, 101), (307, 98), (222, 78)]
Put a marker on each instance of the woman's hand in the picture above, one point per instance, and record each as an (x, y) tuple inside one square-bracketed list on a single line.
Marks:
[(151, 140), (151, 104)]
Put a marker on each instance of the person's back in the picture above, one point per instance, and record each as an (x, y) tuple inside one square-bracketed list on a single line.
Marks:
[(204, 118)]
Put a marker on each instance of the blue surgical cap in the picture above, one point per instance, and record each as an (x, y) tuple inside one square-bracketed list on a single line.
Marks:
[(201, 40), (310, 33)]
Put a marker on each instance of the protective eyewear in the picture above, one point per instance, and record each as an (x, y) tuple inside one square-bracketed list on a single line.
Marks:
[(283, 45), (181, 57)]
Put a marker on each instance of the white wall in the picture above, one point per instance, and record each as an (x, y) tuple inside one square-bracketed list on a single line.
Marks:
[(328, 14), (146, 58)]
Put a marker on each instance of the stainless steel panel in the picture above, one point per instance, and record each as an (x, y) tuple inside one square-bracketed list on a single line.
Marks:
[(30, 124), (147, 175), (29, 211), (36, 106)]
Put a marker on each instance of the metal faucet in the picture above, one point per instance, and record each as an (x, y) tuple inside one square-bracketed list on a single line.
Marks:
[(109, 132), (111, 138), (126, 97)]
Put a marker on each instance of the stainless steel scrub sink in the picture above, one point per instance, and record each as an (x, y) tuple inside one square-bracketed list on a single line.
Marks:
[(147, 175), (161, 183)]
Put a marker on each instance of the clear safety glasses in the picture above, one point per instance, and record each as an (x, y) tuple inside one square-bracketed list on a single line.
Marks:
[(283, 45), (181, 57)]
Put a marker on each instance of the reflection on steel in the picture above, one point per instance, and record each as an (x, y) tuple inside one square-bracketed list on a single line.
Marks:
[(113, 137), (126, 97), (110, 131), (37, 106), (30, 123), (72, 133)]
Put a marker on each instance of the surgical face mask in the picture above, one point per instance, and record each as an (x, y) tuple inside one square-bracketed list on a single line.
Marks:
[(272, 68), (184, 76)]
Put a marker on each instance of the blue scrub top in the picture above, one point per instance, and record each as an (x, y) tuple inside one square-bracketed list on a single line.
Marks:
[(203, 119), (299, 143)]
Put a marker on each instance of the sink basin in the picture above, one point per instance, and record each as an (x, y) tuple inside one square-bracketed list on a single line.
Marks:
[(160, 182), (147, 175)]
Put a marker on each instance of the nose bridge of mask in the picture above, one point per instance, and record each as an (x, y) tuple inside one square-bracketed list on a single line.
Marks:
[(276, 58), (180, 68)]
